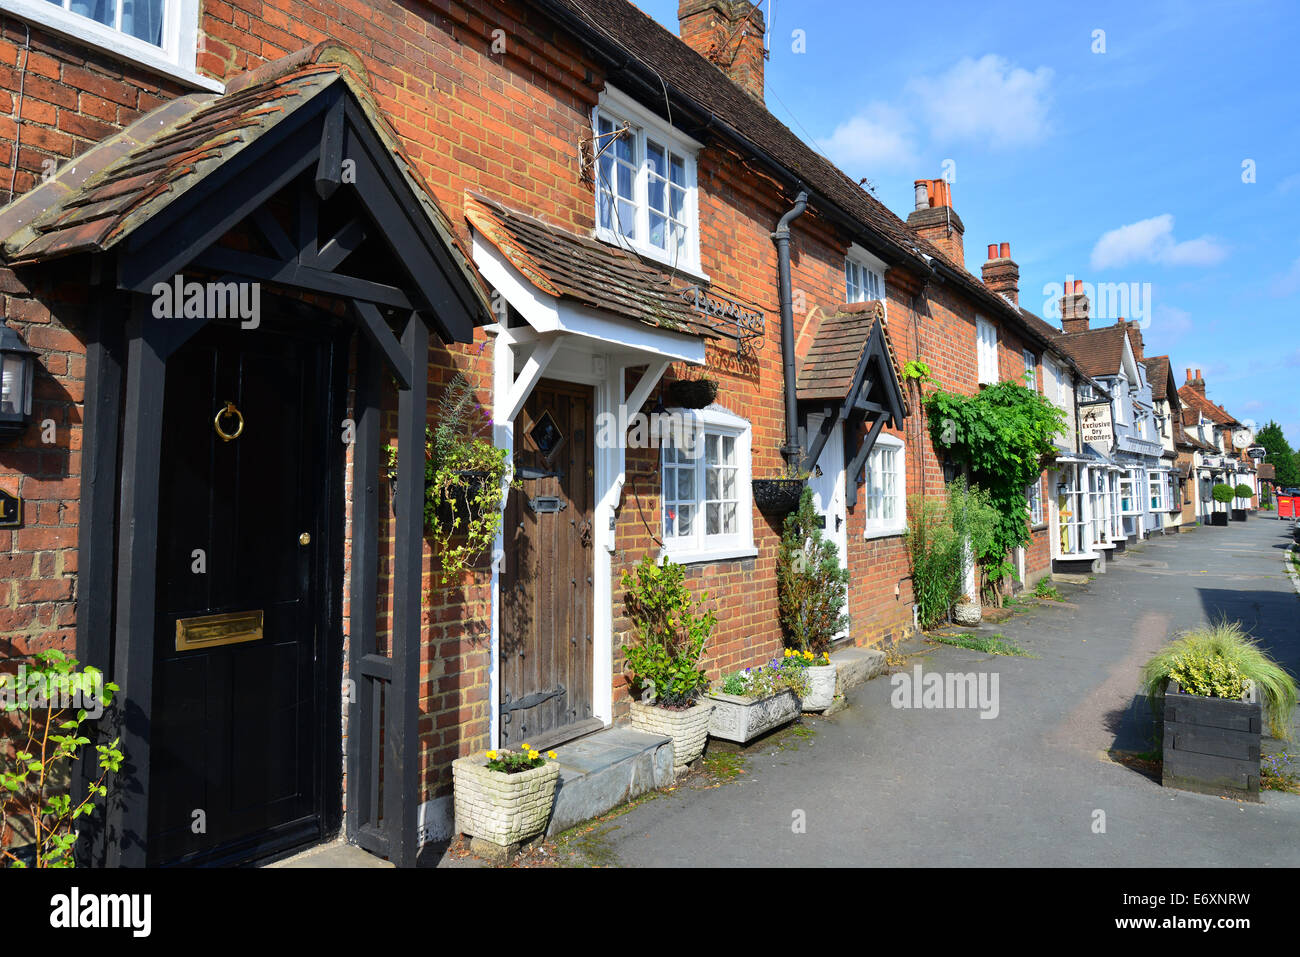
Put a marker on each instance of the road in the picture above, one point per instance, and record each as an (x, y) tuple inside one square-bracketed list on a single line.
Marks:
[(876, 785)]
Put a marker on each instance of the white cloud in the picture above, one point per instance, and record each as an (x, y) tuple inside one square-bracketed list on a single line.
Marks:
[(986, 100), (1152, 241), (1170, 323), (878, 136)]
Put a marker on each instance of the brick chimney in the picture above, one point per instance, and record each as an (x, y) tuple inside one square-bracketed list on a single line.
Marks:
[(1197, 384), (729, 34), (1001, 274), (1074, 307), (935, 219), (1134, 337)]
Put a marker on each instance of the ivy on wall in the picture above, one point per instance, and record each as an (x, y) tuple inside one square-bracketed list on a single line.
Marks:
[(1001, 434)]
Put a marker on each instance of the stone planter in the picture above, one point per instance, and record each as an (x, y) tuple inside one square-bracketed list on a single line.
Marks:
[(689, 729), (1212, 745), (743, 719), (821, 688), (501, 811)]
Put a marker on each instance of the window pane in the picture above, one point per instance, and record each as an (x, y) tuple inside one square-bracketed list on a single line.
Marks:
[(678, 198), (626, 218), (729, 519), (656, 194), (684, 516), (711, 449), (729, 449), (677, 170), (711, 520), (711, 484), (625, 147), (654, 157), (657, 231), (728, 484), (686, 484), (143, 19)]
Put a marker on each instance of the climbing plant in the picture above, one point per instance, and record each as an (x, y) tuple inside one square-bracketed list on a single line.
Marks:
[(1001, 434)]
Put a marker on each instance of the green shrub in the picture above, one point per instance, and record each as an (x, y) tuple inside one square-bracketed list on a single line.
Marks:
[(1244, 491), (778, 675), (1223, 494), (665, 662), (811, 584), (935, 534), (1214, 660)]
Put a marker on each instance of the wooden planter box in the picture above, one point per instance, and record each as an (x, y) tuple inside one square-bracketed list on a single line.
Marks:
[(1212, 745), (1238, 514), (743, 719), (1219, 518)]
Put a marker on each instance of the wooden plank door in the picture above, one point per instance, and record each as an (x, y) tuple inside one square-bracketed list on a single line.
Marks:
[(240, 705), (546, 582)]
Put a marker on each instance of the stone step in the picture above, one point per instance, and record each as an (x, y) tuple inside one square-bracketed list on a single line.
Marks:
[(854, 666), (606, 769)]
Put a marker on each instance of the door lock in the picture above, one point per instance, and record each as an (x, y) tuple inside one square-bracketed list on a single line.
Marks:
[(304, 538)]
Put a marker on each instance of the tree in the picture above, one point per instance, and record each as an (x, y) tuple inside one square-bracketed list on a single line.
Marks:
[(1280, 454)]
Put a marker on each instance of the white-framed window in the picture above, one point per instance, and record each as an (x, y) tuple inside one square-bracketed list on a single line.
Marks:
[(986, 350), (1034, 500), (864, 276), (1156, 483), (160, 35), (1071, 504), (1099, 511), (646, 196), (884, 493), (1031, 369), (1130, 485), (707, 496)]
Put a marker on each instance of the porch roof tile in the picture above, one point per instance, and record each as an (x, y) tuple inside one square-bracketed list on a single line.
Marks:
[(831, 362), (582, 270)]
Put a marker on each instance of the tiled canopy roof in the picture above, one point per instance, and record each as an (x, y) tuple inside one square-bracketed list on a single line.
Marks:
[(830, 366), (101, 197), (583, 270)]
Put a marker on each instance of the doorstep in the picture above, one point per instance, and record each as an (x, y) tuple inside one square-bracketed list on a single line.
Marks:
[(332, 854), (855, 666), (606, 769)]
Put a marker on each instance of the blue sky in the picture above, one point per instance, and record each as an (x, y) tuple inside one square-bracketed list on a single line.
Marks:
[(1122, 166)]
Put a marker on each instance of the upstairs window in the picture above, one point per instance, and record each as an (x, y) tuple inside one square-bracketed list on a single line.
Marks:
[(1031, 369), (864, 276), (160, 35), (986, 350), (645, 184)]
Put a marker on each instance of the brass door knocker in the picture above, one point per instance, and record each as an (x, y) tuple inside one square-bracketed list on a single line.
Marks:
[(227, 411)]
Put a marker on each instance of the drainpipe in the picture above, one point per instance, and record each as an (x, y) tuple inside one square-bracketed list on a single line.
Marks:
[(792, 449)]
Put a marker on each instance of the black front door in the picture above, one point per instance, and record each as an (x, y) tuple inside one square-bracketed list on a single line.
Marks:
[(246, 640)]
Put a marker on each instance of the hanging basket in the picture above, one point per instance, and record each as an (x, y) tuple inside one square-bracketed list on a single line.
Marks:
[(693, 393), (777, 496)]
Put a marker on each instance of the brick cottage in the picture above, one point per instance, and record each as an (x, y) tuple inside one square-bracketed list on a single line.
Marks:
[(561, 201)]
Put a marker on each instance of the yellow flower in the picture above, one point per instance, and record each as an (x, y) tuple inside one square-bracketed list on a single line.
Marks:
[(788, 652), (826, 655), (533, 755), (551, 755), (491, 755), (527, 746)]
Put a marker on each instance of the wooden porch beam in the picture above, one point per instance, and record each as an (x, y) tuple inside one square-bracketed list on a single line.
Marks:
[(859, 462), (341, 246), (297, 276), (649, 379), (377, 331), (528, 377)]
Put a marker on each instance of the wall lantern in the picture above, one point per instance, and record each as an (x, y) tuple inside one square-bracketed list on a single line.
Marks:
[(17, 370), (1062, 487)]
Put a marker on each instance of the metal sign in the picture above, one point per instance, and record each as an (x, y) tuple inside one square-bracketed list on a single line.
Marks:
[(730, 318), (11, 510), (1095, 425), (1257, 452)]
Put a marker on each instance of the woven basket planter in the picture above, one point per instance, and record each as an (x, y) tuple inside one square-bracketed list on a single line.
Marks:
[(693, 393), (777, 496), (689, 729), (502, 808)]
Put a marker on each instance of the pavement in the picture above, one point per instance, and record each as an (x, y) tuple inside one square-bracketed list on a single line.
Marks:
[(1037, 785)]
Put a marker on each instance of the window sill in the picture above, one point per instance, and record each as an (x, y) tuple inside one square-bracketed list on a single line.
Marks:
[(1040, 527), (885, 532), (684, 557)]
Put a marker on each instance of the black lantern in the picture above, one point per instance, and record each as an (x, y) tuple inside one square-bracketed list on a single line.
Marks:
[(17, 370)]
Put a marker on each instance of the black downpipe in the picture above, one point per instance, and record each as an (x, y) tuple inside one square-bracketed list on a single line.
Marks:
[(792, 450)]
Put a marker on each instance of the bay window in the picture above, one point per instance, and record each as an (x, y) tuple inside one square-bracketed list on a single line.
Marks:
[(1070, 511)]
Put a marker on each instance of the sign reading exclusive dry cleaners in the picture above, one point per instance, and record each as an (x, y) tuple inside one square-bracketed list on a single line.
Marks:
[(1095, 425)]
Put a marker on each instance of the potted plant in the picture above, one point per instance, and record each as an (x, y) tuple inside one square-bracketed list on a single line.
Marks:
[(466, 478), (665, 662), (1213, 690), (1223, 494), (811, 591), (503, 799), (693, 393), (1243, 492), (754, 701)]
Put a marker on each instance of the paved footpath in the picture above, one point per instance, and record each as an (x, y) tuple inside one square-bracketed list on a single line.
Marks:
[(880, 786)]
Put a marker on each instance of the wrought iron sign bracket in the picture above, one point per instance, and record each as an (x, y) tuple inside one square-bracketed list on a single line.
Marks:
[(729, 318)]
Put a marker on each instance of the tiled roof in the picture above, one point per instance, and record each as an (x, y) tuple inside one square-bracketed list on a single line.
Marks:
[(1197, 402), (831, 363), (1099, 352), (99, 198), (673, 64), (1160, 378), (583, 270)]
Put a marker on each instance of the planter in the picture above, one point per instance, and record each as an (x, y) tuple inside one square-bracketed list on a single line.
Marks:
[(461, 504), (821, 688), (689, 729), (1219, 518), (1238, 514), (743, 719), (1212, 745), (777, 496), (693, 393), (503, 810)]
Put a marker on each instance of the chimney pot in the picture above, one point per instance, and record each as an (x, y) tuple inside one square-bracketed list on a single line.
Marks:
[(1198, 373), (935, 221), (922, 194), (1005, 251), (993, 251)]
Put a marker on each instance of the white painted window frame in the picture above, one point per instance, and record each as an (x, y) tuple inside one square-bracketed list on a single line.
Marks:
[(986, 351), (882, 527), (622, 109), (701, 547), (1031, 368), (175, 58), (1034, 502), (859, 262)]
